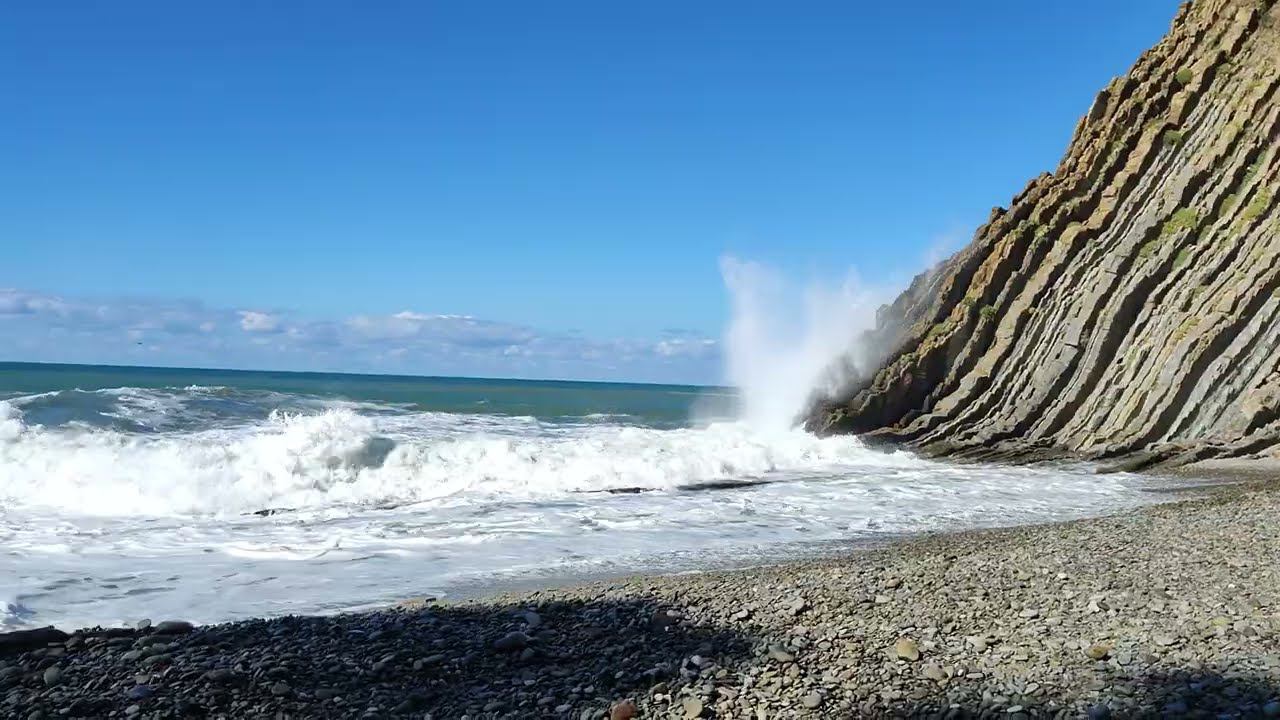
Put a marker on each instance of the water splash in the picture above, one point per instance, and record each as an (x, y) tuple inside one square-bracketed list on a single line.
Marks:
[(785, 343)]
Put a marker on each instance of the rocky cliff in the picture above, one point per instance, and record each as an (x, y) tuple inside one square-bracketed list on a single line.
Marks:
[(1125, 306)]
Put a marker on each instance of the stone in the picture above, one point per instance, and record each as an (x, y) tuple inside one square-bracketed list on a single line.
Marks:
[(1098, 651), (143, 624), (18, 641), (413, 703), (663, 620), (280, 688), (906, 649), (812, 700), (174, 627), (623, 710), (511, 642), (692, 707), (781, 654), (934, 672), (52, 675), (217, 675)]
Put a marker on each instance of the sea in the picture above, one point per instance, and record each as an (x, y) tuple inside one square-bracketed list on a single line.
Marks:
[(131, 493)]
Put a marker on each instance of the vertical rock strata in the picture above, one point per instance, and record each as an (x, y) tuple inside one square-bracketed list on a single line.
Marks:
[(1126, 305)]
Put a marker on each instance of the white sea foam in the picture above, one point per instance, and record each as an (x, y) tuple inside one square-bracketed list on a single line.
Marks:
[(339, 457), (102, 524)]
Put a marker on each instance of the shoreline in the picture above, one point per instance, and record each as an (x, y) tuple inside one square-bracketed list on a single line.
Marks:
[(1156, 611)]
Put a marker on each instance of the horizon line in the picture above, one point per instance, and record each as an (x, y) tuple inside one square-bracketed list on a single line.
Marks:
[(4, 363)]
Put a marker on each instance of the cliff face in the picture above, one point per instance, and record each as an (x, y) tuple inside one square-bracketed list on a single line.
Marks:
[(1126, 305)]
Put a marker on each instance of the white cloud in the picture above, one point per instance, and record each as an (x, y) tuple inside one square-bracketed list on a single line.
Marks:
[(685, 346), (17, 302), (260, 322), (150, 331)]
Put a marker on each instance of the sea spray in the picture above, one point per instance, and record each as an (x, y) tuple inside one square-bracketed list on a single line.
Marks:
[(785, 344)]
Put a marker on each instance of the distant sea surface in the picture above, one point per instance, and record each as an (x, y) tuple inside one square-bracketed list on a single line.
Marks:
[(210, 495)]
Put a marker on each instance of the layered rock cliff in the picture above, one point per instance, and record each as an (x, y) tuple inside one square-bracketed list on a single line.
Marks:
[(1126, 305)]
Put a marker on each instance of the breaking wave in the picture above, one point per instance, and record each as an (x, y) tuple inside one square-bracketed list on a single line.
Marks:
[(341, 457)]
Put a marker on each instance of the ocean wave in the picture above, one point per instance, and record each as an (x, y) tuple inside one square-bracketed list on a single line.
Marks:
[(340, 457), (172, 408)]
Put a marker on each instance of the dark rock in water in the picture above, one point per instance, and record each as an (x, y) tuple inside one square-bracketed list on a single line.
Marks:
[(111, 633), (143, 624), (511, 642), (268, 512), (174, 627), (24, 640)]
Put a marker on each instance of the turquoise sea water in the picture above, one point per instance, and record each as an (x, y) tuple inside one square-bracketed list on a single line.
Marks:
[(210, 495), (653, 405)]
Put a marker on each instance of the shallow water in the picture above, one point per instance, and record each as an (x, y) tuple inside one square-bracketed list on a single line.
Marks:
[(209, 496)]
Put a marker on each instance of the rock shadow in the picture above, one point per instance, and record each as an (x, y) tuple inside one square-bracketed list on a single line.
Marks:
[(567, 659)]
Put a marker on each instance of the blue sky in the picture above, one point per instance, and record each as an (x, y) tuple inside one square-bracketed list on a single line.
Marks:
[(520, 189)]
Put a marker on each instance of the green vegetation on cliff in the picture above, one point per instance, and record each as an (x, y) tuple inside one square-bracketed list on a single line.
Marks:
[(1151, 330)]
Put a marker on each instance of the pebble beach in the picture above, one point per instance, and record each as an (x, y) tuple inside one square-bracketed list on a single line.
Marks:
[(1165, 611)]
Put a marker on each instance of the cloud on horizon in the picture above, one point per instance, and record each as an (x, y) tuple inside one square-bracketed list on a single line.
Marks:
[(50, 328)]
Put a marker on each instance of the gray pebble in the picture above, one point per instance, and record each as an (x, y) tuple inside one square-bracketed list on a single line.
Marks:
[(511, 642)]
